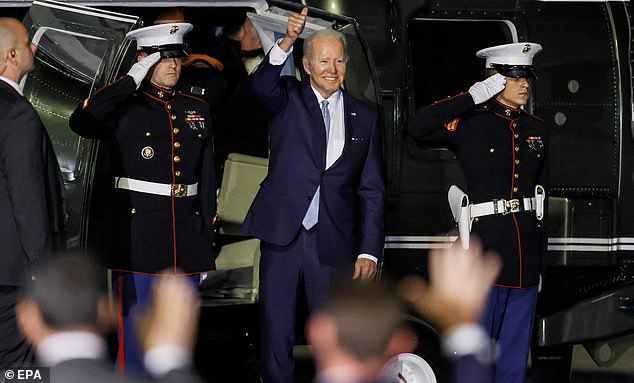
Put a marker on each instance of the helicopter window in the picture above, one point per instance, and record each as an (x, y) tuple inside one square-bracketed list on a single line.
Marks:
[(443, 54), (66, 67)]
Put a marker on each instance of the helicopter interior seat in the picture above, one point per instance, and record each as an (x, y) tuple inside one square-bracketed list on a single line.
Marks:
[(240, 183), (237, 264)]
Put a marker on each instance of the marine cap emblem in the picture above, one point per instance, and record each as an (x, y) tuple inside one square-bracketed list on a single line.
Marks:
[(147, 152), (527, 48), (174, 29)]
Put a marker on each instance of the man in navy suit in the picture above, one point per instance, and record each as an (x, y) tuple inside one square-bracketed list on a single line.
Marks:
[(319, 212), (350, 350), (31, 188), (352, 340)]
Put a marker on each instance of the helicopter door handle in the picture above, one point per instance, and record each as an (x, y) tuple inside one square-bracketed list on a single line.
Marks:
[(68, 175), (627, 306)]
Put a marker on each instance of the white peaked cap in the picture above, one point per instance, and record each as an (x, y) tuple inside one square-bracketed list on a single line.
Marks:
[(160, 35), (510, 54)]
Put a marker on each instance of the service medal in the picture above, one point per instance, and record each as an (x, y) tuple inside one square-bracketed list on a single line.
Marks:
[(195, 120), (535, 143)]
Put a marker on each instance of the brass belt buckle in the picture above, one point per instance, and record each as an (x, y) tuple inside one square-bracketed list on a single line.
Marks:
[(179, 190), (511, 206)]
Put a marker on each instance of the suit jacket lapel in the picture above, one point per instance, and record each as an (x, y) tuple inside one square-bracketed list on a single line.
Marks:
[(349, 119), (311, 102), (317, 128)]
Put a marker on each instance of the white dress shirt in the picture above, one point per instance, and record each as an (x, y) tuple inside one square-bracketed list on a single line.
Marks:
[(469, 339), (68, 345), (337, 134)]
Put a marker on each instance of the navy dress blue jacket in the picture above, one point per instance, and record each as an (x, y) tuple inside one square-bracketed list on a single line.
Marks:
[(162, 136), (502, 153)]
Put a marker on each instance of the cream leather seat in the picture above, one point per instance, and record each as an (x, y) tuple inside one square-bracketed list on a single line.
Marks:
[(238, 263)]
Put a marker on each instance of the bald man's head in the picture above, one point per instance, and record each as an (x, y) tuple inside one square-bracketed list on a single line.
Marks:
[(7, 39), (8, 28), (16, 49)]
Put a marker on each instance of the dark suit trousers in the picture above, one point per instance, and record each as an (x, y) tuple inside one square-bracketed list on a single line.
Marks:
[(286, 271), (15, 351)]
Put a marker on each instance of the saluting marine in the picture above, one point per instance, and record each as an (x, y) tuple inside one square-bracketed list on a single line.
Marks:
[(161, 210), (501, 148)]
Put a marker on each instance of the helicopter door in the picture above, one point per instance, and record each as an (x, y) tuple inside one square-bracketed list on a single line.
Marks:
[(79, 50)]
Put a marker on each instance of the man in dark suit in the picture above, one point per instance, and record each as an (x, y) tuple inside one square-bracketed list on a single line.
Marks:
[(31, 187), (352, 339), (241, 132), (67, 333), (319, 212)]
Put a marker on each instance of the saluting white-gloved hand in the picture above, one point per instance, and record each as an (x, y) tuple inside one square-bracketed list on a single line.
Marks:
[(484, 90), (140, 69)]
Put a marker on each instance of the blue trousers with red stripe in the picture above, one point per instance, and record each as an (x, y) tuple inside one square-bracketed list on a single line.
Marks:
[(508, 318), (133, 293)]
